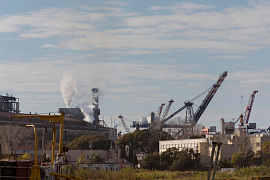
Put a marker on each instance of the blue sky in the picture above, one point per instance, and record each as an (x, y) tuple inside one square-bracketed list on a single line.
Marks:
[(139, 53)]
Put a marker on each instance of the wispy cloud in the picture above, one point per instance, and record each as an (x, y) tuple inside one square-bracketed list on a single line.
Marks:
[(186, 26), (229, 57), (184, 7), (49, 46)]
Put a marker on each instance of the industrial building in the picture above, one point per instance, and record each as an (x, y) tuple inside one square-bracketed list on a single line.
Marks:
[(231, 142), (74, 123)]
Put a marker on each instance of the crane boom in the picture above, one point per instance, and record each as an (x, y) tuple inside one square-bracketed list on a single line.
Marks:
[(160, 109), (209, 97), (165, 113), (205, 102), (249, 106), (124, 124)]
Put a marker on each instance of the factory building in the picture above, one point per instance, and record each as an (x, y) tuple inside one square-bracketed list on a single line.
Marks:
[(74, 123)]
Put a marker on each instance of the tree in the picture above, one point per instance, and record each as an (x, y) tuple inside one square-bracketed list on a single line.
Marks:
[(81, 159), (145, 140), (97, 158), (14, 137), (184, 131), (152, 161), (224, 163), (96, 142), (244, 158), (263, 156), (172, 159), (185, 160)]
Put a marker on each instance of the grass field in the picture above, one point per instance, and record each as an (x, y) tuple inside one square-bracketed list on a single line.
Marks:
[(262, 173)]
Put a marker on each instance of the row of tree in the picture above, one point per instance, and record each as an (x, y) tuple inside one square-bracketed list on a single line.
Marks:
[(173, 159), (145, 140), (246, 157)]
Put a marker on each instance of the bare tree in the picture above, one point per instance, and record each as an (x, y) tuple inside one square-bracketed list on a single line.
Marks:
[(179, 129), (244, 150), (14, 137)]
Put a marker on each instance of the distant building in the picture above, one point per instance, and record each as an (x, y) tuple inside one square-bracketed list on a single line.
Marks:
[(74, 124), (230, 143)]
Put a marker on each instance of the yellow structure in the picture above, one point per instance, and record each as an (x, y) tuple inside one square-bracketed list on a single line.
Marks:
[(35, 169), (35, 175)]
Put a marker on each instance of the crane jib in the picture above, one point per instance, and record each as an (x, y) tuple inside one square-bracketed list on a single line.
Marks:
[(205, 102)]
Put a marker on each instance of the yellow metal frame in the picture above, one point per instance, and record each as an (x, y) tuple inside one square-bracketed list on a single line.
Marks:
[(53, 119), (35, 175)]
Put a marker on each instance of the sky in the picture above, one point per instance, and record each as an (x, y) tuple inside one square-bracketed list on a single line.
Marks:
[(140, 54)]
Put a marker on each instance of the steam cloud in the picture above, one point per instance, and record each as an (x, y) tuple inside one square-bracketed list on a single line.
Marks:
[(88, 112), (68, 87), (70, 90)]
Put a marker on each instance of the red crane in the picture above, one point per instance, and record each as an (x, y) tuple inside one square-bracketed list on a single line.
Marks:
[(249, 107), (244, 119), (164, 115), (160, 110)]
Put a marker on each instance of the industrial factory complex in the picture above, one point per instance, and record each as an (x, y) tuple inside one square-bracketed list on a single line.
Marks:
[(228, 140), (74, 123)]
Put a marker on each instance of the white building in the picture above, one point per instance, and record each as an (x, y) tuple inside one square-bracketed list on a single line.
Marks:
[(181, 144)]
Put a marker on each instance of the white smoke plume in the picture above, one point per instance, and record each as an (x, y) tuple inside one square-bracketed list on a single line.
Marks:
[(68, 86), (88, 112)]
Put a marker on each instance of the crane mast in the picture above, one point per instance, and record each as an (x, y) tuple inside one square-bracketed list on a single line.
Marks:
[(249, 107)]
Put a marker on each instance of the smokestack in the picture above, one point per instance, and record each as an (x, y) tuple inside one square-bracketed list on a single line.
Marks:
[(152, 119), (95, 92), (222, 126)]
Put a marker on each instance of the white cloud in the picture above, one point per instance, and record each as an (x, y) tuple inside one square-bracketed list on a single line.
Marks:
[(49, 46), (116, 3), (235, 29), (155, 8), (229, 57)]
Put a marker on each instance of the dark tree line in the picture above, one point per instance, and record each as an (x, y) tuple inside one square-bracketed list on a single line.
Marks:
[(246, 158), (173, 159), (146, 140), (95, 141)]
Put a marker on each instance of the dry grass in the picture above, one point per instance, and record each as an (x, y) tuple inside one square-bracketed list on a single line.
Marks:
[(130, 174)]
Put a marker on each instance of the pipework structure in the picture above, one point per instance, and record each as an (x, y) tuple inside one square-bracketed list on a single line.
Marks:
[(9, 104)]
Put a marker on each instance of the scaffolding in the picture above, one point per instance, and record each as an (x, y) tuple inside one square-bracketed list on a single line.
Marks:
[(9, 104)]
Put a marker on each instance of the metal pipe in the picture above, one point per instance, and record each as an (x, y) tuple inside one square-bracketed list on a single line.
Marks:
[(215, 165), (53, 144), (36, 143), (61, 133), (211, 160)]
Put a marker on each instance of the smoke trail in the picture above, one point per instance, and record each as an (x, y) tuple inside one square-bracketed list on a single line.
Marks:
[(88, 112), (68, 87)]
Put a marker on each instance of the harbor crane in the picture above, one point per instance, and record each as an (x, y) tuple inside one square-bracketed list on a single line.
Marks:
[(164, 115), (244, 119), (160, 110), (124, 123), (249, 106), (193, 118)]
